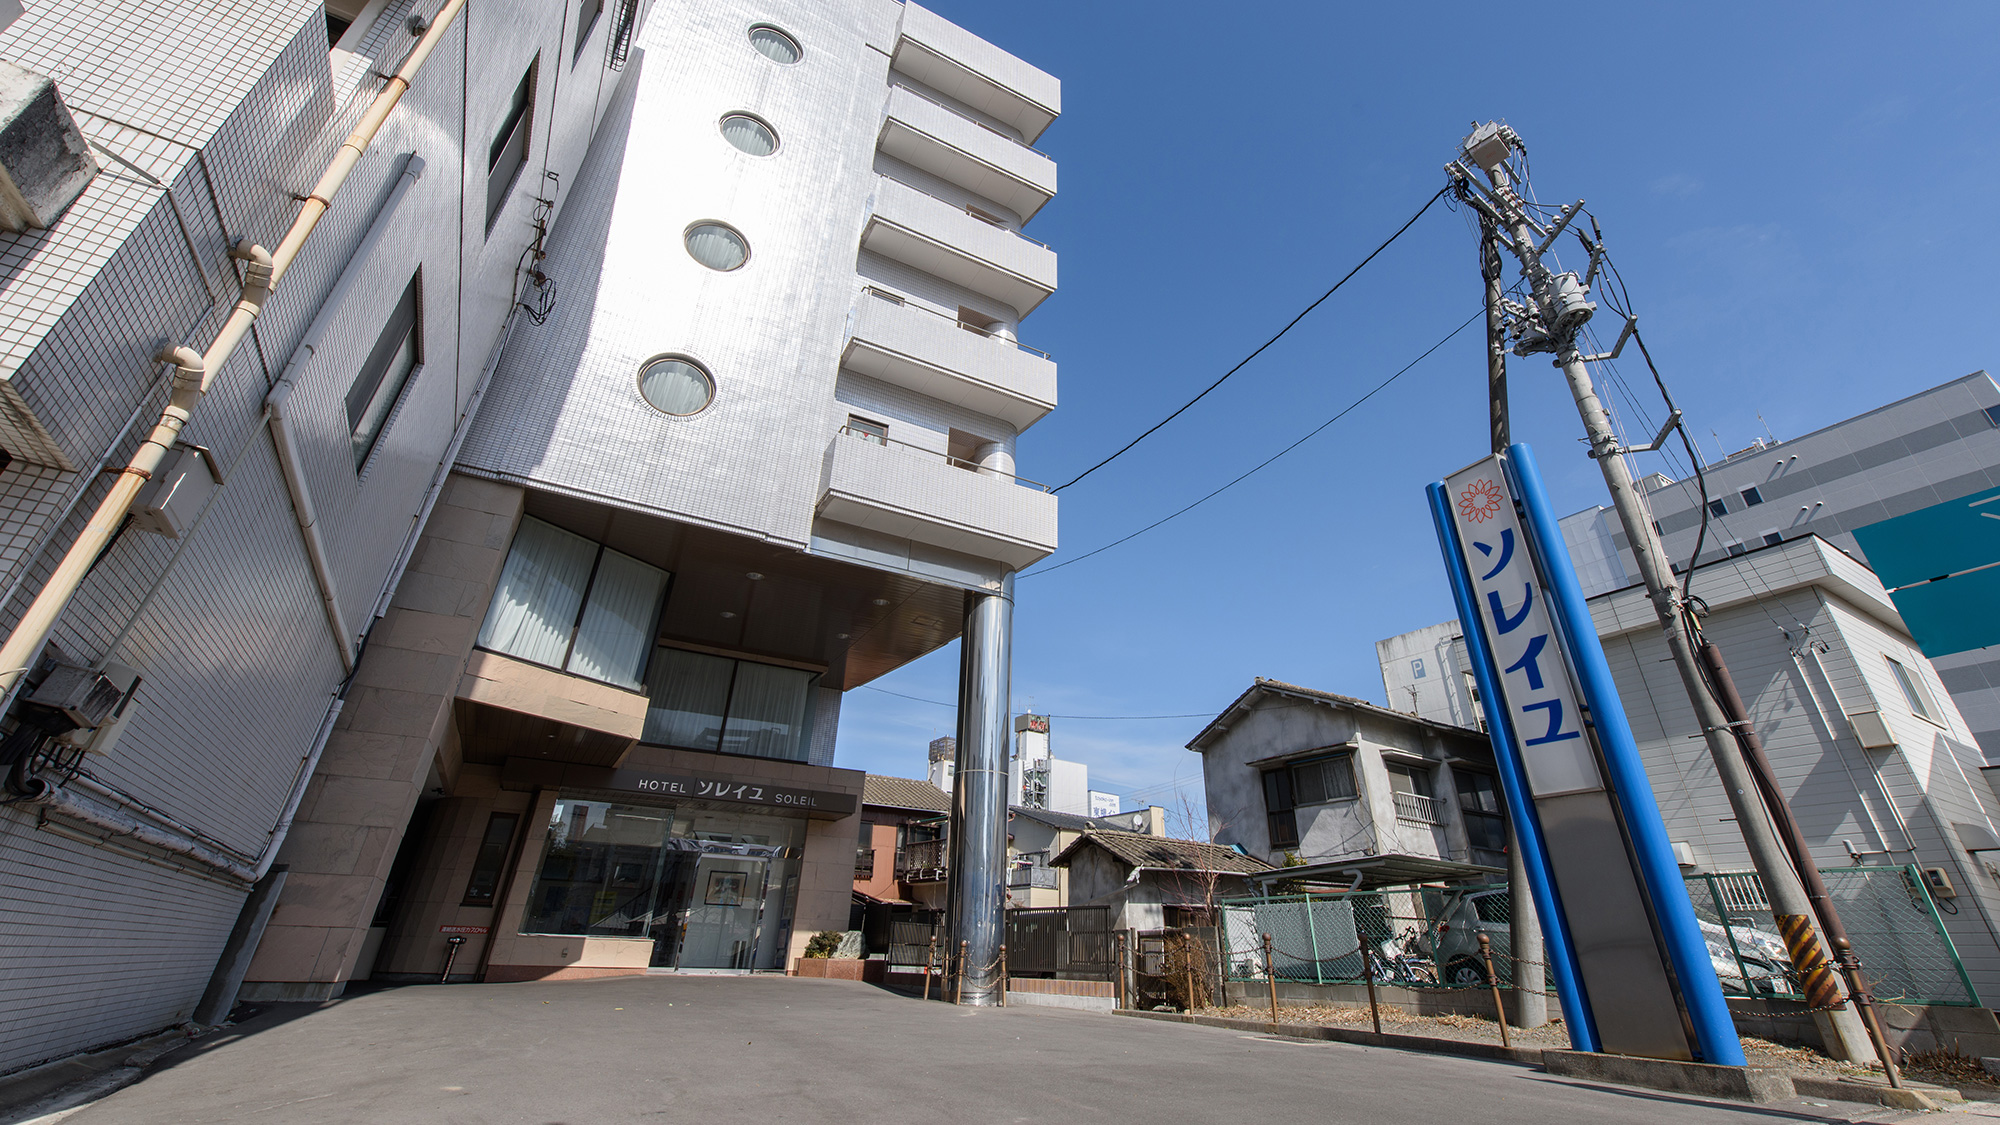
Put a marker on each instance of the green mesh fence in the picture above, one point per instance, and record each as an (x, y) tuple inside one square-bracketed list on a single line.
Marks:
[(1428, 937), (1418, 937), (1890, 917)]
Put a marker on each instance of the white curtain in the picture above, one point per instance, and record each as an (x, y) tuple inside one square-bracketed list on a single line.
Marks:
[(617, 626), (687, 692), (749, 134), (540, 589), (767, 712), (717, 247)]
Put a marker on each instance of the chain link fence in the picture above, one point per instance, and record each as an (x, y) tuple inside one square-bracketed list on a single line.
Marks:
[(1891, 919), (1417, 937), (1428, 937)]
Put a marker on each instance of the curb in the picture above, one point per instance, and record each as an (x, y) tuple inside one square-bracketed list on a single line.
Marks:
[(52, 1091), (1526, 1056), (1743, 1084)]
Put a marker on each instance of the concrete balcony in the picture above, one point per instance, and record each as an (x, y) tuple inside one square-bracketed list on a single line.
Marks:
[(949, 242), (977, 157), (924, 496), (961, 65), (934, 355)]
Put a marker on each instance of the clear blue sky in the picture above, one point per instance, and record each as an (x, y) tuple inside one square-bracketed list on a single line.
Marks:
[(1801, 198)]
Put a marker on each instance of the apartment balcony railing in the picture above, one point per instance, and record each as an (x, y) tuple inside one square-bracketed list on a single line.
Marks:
[(908, 492), (922, 862), (864, 863), (1031, 877), (1416, 808), (927, 134), (960, 112), (951, 360), (959, 244), (959, 64)]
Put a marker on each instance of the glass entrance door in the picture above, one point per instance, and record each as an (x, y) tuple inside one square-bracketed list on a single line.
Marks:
[(724, 913)]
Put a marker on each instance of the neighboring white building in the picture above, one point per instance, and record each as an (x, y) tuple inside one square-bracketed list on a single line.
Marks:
[(612, 528), (1933, 446)]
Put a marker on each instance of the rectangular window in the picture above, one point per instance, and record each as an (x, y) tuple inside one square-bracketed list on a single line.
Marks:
[(1735, 548), (586, 22), (1993, 415), (867, 430), (1718, 508), (703, 702), (490, 859), (568, 603), (509, 150), (1772, 538), (1751, 497), (1323, 779), (1915, 692), (373, 395), (1280, 822), (1481, 807)]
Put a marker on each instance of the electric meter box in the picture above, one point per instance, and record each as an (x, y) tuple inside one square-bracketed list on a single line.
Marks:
[(170, 503)]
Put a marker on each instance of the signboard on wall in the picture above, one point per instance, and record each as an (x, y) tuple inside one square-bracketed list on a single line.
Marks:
[(733, 790), (1938, 564)]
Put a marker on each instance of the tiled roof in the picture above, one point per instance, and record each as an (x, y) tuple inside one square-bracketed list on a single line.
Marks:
[(1263, 686), (1069, 822), (1137, 849), (904, 793)]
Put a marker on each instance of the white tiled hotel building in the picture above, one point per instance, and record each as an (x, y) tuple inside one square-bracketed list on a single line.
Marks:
[(654, 381)]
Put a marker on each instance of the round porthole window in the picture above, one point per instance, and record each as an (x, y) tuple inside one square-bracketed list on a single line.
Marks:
[(676, 385), (749, 134), (774, 44), (717, 246)]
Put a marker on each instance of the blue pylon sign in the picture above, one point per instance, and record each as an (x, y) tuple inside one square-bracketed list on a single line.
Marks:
[(1630, 963)]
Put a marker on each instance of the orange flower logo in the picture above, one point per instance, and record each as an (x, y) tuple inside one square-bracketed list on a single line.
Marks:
[(1480, 502)]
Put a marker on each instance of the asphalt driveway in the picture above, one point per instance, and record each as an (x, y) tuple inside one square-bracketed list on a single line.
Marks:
[(770, 1049)]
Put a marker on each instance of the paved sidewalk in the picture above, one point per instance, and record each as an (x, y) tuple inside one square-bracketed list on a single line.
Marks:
[(770, 1049)]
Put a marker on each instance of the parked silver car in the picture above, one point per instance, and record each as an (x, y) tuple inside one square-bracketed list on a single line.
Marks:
[(1757, 964)]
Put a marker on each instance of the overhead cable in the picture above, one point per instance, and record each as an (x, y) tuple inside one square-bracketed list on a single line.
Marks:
[(1260, 348), (1273, 457)]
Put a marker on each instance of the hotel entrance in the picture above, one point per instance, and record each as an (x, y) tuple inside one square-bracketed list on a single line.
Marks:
[(713, 890)]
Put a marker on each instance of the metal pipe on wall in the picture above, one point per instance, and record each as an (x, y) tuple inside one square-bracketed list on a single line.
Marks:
[(976, 895), (194, 373), (278, 401)]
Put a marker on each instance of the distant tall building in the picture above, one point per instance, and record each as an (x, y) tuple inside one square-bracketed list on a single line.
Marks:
[(944, 760), (1041, 781)]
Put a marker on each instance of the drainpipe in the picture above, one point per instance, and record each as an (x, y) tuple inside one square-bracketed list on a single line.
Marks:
[(193, 373), (281, 428)]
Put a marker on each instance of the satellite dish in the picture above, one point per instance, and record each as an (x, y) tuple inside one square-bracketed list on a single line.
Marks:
[(1138, 822)]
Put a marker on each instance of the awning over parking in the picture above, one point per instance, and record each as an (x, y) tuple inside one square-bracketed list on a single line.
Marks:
[(1372, 871)]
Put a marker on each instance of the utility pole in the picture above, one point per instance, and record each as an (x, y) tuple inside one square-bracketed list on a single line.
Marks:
[(1555, 310), (1530, 976)]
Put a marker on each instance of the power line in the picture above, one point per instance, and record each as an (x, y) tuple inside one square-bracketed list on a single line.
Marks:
[(1260, 348), (1107, 718), (1266, 461)]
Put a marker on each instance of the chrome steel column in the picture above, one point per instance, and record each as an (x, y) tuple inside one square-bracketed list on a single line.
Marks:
[(976, 895)]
